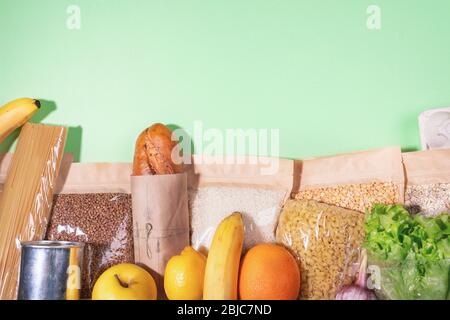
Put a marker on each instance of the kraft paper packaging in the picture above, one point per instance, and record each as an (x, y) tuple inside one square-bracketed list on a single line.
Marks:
[(160, 220), (427, 167)]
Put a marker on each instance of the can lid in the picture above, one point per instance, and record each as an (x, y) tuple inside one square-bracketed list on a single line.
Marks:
[(49, 244)]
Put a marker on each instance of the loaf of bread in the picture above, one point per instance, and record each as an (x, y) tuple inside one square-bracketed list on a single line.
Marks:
[(153, 153)]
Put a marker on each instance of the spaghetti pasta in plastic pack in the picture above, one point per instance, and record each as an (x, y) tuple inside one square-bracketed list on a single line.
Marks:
[(326, 241), (27, 197)]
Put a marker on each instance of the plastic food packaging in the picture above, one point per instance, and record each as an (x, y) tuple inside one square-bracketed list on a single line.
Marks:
[(326, 241), (434, 127), (354, 181), (101, 220), (94, 207), (218, 189), (161, 221), (5, 162), (27, 197), (408, 255), (427, 181)]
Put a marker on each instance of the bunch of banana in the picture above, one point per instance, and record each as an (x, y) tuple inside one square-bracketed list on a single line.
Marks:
[(15, 114), (222, 264)]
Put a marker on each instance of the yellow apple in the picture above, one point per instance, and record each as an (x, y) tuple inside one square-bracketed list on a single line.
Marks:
[(125, 281)]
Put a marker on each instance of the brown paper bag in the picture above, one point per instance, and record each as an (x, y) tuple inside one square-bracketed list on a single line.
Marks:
[(427, 181), (354, 181), (161, 221), (95, 178)]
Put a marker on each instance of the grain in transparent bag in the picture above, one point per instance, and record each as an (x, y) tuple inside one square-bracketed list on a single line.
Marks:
[(427, 175), (257, 187), (326, 240), (354, 181), (93, 206)]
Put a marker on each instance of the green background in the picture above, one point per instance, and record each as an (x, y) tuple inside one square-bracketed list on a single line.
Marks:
[(310, 68)]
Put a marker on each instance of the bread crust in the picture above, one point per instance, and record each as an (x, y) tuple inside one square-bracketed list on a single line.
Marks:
[(153, 152)]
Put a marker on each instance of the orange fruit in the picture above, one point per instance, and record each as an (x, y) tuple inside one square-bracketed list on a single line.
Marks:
[(269, 272)]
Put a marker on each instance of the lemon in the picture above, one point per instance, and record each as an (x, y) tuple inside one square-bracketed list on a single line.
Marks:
[(184, 274)]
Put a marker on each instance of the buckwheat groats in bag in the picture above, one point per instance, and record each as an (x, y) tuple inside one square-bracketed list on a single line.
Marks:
[(93, 206)]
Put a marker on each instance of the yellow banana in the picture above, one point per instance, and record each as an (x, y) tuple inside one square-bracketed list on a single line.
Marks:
[(222, 264), (15, 114)]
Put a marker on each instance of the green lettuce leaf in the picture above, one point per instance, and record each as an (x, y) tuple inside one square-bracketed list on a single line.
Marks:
[(413, 252)]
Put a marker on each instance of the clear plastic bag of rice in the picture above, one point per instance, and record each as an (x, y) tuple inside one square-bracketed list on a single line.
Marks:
[(260, 209), (326, 241), (257, 188)]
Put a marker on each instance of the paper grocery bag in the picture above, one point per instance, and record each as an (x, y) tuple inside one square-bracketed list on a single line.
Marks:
[(161, 221)]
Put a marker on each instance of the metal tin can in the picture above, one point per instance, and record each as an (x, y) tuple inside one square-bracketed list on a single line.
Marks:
[(50, 270)]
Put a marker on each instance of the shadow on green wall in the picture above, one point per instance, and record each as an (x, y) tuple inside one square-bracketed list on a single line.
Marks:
[(6, 145), (409, 149), (73, 143), (47, 107), (74, 135)]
